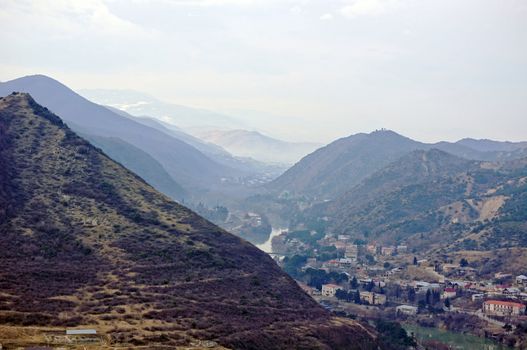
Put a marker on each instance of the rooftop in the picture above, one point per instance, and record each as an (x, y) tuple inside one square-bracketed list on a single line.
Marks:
[(504, 303), (80, 331)]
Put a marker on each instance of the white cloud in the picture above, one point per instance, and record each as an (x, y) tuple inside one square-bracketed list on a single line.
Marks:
[(326, 17), (206, 3), (367, 7), (70, 17)]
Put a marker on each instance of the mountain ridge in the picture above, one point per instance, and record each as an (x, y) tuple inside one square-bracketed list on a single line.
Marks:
[(430, 199), (337, 167), (198, 171), (85, 242), (254, 144)]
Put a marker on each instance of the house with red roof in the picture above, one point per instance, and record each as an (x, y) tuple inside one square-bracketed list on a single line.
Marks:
[(449, 293), (503, 308)]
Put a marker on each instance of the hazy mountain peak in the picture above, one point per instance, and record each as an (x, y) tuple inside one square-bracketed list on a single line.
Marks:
[(254, 144)]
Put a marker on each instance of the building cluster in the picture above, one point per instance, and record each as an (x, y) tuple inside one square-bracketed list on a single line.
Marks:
[(503, 308), (448, 285), (371, 298)]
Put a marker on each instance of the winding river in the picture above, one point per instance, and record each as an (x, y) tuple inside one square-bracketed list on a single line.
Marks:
[(267, 246)]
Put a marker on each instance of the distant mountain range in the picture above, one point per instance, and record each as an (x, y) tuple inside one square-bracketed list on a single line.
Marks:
[(141, 104), (336, 168), (258, 146), (215, 152), (214, 128), (86, 243), (176, 152)]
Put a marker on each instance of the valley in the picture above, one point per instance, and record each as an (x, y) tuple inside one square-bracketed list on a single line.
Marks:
[(396, 225), (263, 175)]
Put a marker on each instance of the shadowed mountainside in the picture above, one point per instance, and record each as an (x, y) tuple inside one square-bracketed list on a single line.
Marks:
[(186, 165), (85, 242)]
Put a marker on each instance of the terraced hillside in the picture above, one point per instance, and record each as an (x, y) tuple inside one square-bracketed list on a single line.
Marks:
[(86, 243)]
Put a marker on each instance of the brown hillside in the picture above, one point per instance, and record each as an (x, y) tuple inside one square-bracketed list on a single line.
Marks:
[(86, 243)]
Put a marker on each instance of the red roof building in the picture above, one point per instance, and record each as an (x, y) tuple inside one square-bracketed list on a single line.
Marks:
[(503, 308)]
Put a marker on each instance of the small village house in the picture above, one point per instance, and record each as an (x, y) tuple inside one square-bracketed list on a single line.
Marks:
[(406, 310), (329, 290), (448, 293), (81, 331), (521, 280), (388, 250), (352, 251), (373, 298), (449, 267), (402, 249), (371, 248)]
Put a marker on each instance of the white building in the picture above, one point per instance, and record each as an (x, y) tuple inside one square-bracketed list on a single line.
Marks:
[(406, 310), (329, 290), (521, 280), (81, 331)]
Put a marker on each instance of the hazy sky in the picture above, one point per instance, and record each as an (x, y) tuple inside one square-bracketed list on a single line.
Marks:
[(431, 70)]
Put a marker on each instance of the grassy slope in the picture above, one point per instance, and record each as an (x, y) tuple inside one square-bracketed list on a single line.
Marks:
[(86, 242)]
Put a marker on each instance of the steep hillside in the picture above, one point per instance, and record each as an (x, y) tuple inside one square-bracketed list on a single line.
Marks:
[(188, 166), (337, 167), (140, 163), (86, 243), (332, 170), (431, 198), (255, 145)]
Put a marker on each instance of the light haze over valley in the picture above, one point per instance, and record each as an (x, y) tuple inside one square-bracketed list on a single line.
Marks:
[(267, 175)]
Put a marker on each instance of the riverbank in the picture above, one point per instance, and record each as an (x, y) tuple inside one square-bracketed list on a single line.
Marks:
[(458, 341), (267, 246)]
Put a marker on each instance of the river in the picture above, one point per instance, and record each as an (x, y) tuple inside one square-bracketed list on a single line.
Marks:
[(267, 246), (457, 341)]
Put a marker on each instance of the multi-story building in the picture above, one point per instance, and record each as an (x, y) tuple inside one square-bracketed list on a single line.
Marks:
[(503, 308)]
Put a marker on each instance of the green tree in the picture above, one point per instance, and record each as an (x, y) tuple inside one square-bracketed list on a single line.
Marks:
[(356, 297), (421, 305), (354, 284), (447, 303), (428, 297), (341, 294), (411, 295), (393, 336), (369, 287), (463, 262)]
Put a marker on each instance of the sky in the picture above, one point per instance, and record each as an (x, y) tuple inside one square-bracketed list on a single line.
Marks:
[(314, 70)]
